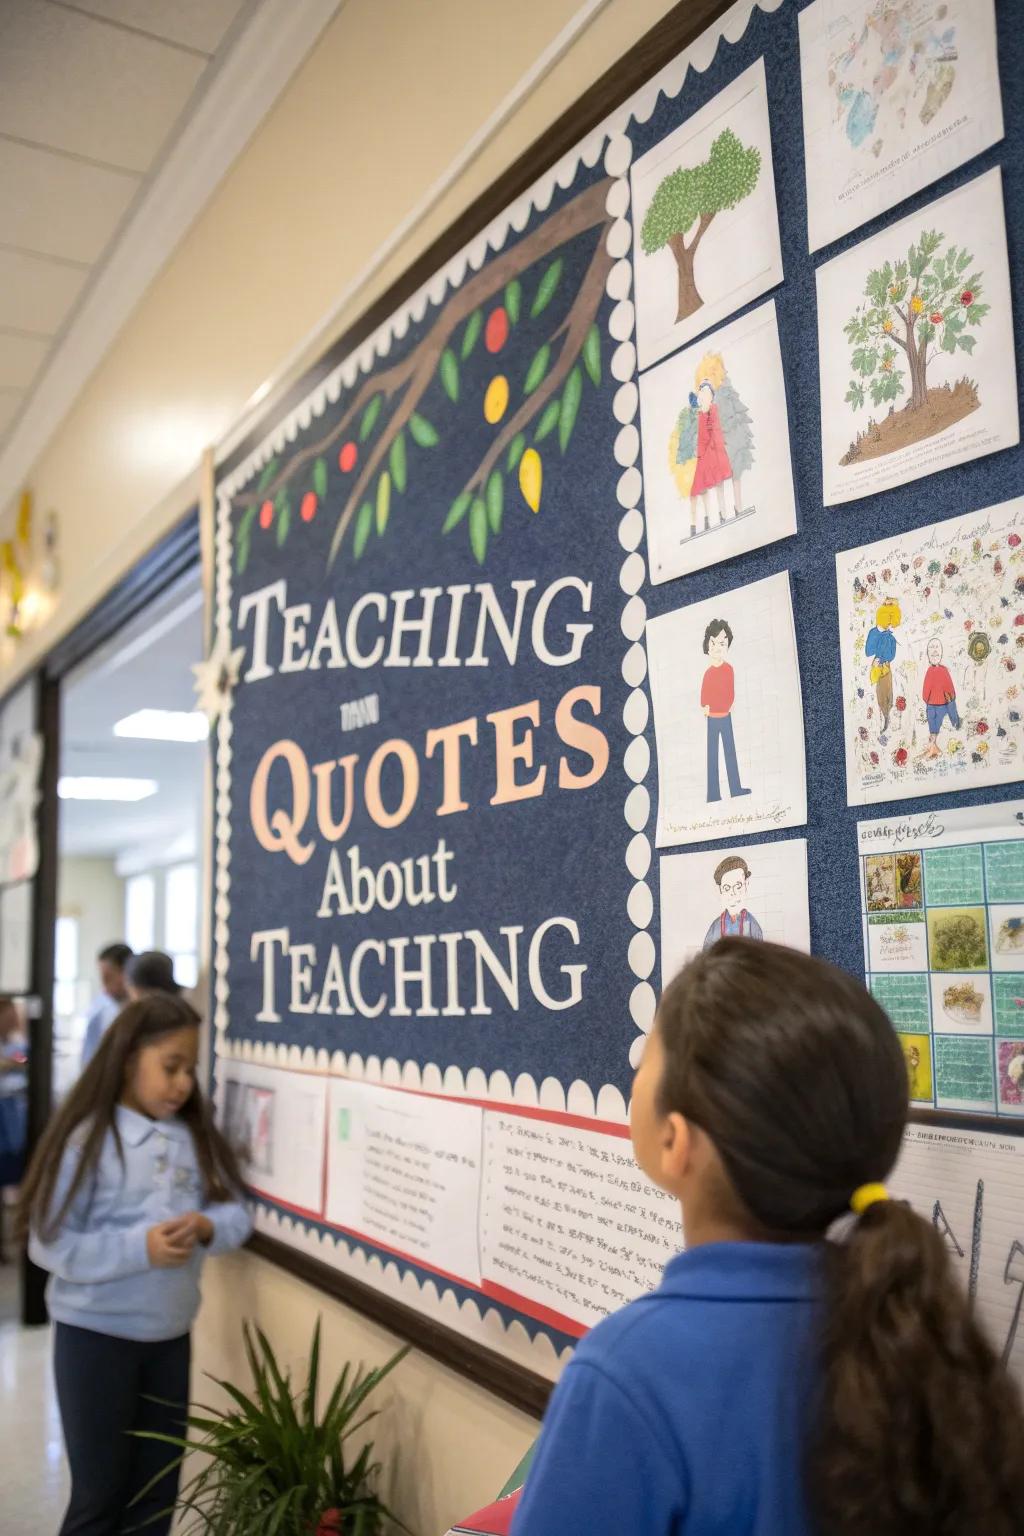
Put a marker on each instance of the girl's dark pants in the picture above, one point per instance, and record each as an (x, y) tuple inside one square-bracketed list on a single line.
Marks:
[(106, 1389)]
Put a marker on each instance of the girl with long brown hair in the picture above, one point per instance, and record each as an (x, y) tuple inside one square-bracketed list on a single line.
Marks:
[(780, 1382), (130, 1186)]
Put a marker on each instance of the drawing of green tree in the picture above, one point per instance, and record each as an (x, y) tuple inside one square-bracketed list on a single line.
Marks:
[(917, 306), (696, 195)]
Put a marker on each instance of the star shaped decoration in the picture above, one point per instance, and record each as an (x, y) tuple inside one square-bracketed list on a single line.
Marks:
[(217, 676)]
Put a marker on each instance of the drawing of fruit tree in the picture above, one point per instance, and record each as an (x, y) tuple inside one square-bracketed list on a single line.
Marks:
[(913, 310), (368, 456), (695, 196)]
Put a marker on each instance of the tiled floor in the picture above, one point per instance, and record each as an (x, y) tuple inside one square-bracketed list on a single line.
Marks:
[(33, 1478)]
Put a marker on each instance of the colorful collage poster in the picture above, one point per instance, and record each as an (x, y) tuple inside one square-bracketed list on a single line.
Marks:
[(931, 628), (717, 473), (757, 891), (728, 715), (706, 222), (943, 908), (895, 94), (915, 346)]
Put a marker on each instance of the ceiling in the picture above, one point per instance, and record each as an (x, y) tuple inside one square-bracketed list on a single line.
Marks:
[(92, 96), (147, 666)]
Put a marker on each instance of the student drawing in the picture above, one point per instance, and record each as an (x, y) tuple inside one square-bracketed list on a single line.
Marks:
[(880, 649), (717, 696), (939, 697), (732, 877), (711, 444)]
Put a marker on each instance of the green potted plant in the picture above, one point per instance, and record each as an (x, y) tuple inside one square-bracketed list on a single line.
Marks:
[(271, 1465)]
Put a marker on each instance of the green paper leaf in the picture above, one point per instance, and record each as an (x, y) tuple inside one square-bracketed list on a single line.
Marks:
[(423, 434), (592, 354), (548, 421), (284, 520), (495, 500), (242, 548), (513, 300), (269, 471), (571, 396), (471, 334), (450, 374), (383, 501), (517, 448), (456, 512), (320, 478), (364, 523), (538, 368), (370, 415), (478, 529), (396, 458), (546, 290)]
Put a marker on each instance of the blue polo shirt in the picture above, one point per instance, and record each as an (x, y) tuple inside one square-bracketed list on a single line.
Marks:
[(687, 1411)]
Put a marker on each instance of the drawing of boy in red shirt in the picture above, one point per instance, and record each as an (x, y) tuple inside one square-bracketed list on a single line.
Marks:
[(939, 697), (717, 696)]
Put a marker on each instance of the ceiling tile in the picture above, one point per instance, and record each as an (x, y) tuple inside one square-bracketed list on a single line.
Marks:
[(196, 23), (21, 357), (36, 294), (59, 207), (10, 404), (75, 84)]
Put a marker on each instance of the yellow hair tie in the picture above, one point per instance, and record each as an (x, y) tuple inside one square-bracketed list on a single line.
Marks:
[(868, 1195)]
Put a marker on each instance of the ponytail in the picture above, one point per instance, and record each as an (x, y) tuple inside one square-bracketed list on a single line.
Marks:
[(921, 1427), (796, 1076)]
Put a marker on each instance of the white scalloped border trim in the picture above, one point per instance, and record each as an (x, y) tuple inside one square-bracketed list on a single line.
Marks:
[(610, 138)]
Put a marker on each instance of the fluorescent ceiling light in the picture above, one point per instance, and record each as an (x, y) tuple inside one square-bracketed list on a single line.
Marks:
[(164, 725), (107, 789)]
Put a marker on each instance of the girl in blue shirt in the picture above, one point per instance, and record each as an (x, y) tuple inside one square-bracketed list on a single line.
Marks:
[(778, 1384), (130, 1187)]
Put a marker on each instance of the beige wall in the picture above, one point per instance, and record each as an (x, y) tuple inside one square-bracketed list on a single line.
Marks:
[(380, 110), (446, 1445)]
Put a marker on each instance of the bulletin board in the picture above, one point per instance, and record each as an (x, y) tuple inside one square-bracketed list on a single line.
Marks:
[(542, 659)]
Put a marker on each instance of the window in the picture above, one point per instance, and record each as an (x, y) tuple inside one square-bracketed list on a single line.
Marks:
[(65, 967), (140, 912), (181, 922)]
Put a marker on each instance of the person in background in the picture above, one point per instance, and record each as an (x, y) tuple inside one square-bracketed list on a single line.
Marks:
[(780, 1382), (150, 972), (130, 1187), (112, 998), (13, 1037)]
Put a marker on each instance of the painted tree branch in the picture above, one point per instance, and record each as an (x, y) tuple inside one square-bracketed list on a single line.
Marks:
[(574, 330)]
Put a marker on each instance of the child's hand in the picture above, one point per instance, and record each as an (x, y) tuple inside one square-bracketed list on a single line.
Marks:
[(707, 709), (194, 1226), (168, 1246)]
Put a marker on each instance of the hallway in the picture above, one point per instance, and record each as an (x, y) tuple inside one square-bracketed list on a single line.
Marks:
[(32, 1472)]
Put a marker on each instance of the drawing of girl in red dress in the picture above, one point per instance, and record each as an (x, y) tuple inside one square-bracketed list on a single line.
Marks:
[(713, 467)]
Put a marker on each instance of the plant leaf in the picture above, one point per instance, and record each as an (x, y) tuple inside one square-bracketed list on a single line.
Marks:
[(538, 368), (571, 397), (364, 522), (478, 529), (515, 452), (370, 415), (592, 354), (471, 334), (423, 434), (514, 299), (383, 501), (548, 421), (397, 460), (546, 289), (495, 500), (284, 520), (450, 374), (456, 512), (320, 478), (269, 471)]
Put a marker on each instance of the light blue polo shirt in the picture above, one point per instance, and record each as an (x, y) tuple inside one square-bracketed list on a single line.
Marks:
[(687, 1412), (101, 1277)]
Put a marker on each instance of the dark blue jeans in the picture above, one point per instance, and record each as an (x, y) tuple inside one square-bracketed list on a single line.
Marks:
[(720, 731), (106, 1387)]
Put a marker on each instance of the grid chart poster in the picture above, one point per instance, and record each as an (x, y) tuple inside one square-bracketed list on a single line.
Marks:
[(527, 651), (943, 898)]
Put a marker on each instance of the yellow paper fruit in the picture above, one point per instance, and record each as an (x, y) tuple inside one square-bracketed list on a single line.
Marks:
[(887, 326), (496, 399), (530, 478), (916, 304)]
